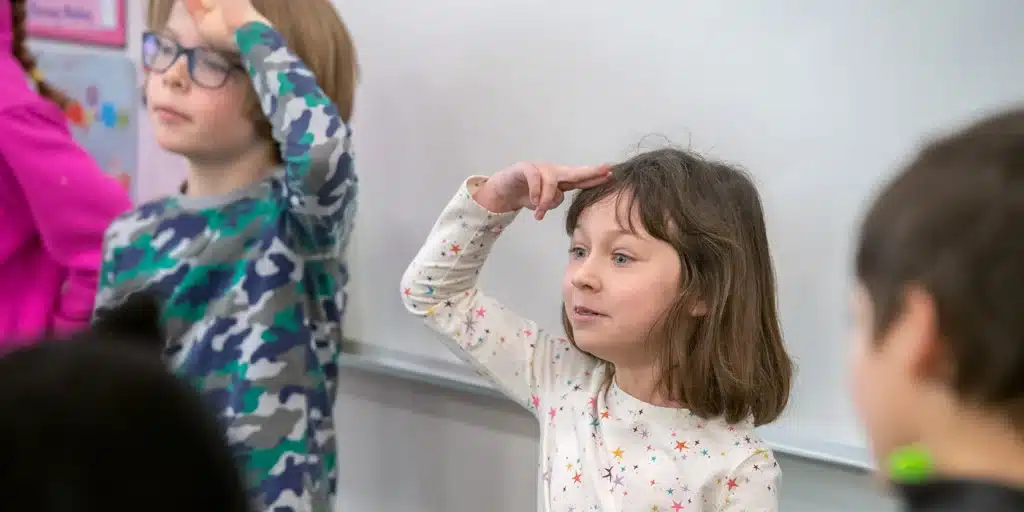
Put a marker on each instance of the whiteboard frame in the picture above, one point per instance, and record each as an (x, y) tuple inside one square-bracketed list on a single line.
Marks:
[(374, 359)]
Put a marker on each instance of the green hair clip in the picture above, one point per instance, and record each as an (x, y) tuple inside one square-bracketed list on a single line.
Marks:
[(912, 464)]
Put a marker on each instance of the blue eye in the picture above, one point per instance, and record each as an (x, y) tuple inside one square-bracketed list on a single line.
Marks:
[(577, 252), (622, 259)]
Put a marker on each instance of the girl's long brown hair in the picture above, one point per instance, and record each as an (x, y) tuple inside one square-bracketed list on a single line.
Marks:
[(19, 33), (730, 362)]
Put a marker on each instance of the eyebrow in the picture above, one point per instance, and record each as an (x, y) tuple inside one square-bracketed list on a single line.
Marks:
[(618, 231)]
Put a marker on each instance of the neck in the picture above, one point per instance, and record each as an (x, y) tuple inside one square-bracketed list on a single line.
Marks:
[(220, 176), (975, 446), (641, 382)]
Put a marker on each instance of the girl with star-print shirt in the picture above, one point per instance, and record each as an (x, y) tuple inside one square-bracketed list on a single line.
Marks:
[(673, 350)]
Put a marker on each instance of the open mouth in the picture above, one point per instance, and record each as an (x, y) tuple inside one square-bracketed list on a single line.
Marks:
[(582, 311)]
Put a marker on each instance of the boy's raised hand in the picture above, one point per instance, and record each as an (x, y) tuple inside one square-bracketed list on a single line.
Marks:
[(538, 187), (218, 20)]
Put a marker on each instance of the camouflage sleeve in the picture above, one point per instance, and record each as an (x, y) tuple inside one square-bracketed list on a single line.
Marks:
[(314, 141), (106, 297)]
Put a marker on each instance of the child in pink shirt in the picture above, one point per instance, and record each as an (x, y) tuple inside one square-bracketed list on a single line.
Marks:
[(55, 203)]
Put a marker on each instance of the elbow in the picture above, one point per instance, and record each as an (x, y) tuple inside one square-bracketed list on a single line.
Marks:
[(417, 296)]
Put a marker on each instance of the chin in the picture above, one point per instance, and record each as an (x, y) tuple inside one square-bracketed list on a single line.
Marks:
[(175, 143), (590, 345)]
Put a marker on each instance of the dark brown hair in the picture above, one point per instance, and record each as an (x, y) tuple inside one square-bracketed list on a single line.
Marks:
[(730, 361), (19, 35), (82, 412), (951, 224), (315, 33)]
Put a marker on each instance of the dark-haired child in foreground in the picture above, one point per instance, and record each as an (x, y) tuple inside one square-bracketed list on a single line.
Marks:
[(98, 423), (940, 320)]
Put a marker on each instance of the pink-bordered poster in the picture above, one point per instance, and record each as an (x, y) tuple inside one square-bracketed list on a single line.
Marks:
[(97, 22)]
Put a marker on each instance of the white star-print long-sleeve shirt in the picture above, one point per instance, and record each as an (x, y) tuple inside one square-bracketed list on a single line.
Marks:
[(601, 449)]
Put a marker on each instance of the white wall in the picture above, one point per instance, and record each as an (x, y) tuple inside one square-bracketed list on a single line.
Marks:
[(818, 100), (494, 82)]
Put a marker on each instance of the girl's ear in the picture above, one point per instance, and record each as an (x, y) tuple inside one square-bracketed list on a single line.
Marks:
[(135, 321)]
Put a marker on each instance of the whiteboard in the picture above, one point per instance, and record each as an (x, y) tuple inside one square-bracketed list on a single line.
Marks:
[(820, 101)]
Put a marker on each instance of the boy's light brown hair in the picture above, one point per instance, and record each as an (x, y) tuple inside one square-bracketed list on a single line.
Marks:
[(315, 32), (952, 225), (731, 361)]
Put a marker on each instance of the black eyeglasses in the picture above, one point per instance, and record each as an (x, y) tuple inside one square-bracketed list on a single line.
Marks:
[(207, 68)]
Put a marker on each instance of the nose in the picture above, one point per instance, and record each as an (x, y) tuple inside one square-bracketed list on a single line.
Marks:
[(587, 276), (176, 77)]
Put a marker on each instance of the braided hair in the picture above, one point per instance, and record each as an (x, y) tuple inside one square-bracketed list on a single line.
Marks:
[(19, 33)]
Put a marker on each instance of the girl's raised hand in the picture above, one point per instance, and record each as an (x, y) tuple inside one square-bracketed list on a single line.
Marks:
[(218, 20), (538, 187)]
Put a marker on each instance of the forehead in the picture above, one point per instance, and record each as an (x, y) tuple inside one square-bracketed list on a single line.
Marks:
[(616, 212), (181, 25)]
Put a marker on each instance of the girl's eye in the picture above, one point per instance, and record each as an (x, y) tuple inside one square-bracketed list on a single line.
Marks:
[(622, 259), (577, 252)]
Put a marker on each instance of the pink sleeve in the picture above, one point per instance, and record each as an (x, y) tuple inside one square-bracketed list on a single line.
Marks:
[(70, 198)]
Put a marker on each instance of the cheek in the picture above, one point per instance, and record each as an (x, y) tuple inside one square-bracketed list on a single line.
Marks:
[(864, 373), (662, 286), (648, 297), (221, 108), (151, 87), (876, 398), (860, 379)]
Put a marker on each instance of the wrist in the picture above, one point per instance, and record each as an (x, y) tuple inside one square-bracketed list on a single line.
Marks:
[(487, 196), (254, 16)]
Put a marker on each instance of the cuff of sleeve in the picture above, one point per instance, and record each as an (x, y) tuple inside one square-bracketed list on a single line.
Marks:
[(474, 212), (250, 34)]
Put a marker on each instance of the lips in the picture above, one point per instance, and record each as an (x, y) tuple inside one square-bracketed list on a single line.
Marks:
[(170, 113), (585, 311)]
